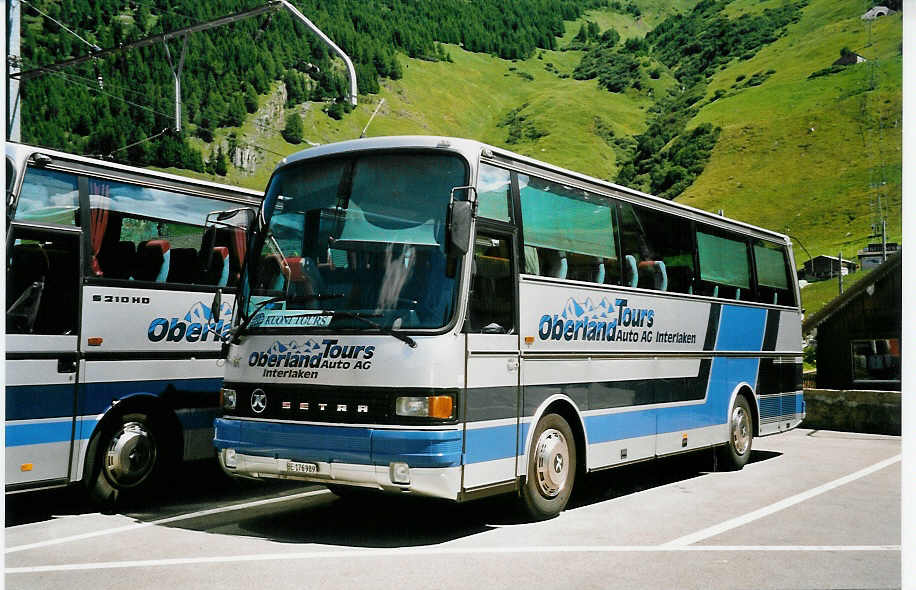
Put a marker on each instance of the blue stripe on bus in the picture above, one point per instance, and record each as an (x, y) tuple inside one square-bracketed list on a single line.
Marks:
[(96, 397), (741, 328), (32, 402), (487, 444), (608, 427), (340, 444), (37, 433), (35, 402)]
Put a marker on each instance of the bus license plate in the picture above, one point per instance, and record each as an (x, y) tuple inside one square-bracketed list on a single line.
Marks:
[(296, 467)]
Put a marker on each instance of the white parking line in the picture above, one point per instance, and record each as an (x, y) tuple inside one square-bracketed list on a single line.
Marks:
[(776, 507), (161, 521), (435, 551)]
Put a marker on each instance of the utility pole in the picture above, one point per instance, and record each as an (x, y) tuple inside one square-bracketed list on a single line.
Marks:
[(176, 74), (840, 260), (884, 239), (13, 65)]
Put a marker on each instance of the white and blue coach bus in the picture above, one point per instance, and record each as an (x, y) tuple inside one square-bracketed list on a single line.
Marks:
[(445, 318), (112, 369)]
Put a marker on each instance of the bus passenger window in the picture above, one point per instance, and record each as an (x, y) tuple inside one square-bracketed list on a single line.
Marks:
[(48, 196), (569, 232), (773, 283), (658, 250), (493, 186), (491, 307), (147, 234), (724, 268), (42, 270)]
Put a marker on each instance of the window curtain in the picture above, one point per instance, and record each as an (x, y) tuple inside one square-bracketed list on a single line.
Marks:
[(99, 193)]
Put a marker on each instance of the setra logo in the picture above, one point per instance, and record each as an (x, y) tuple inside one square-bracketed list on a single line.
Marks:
[(196, 326)]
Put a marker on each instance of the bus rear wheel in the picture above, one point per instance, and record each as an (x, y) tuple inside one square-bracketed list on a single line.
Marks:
[(551, 468), (737, 450), (127, 459)]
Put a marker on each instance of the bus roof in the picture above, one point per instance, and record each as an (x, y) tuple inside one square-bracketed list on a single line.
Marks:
[(472, 150), (20, 152)]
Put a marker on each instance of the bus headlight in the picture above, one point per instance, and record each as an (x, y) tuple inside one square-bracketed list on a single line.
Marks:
[(429, 406), (227, 398)]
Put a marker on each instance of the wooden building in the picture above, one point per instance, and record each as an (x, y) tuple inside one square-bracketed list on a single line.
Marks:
[(824, 267), (858, 333)]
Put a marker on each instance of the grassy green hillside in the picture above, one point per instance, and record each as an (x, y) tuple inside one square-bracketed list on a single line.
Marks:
[(806, 154), (798, 155)]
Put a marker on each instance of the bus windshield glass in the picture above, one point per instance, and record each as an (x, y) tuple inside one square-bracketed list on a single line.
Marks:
[(357, 238)]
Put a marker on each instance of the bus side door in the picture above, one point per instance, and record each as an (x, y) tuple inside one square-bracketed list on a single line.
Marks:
[(492, 360), (42, 330)]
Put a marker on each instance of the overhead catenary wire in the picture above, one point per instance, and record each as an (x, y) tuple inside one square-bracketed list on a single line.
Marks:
[(144, 140), (81, 82), (93, 82), (61, 25)]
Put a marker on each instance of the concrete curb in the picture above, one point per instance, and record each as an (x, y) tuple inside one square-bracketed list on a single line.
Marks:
[(875, 412)]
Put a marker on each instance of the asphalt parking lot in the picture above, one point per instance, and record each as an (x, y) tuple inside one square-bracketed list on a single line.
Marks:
[(814, 509)]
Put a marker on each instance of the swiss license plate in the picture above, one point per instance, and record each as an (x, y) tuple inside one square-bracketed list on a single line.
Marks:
[(296, 467)]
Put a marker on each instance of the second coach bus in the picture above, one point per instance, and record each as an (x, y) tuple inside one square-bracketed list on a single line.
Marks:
[(112, 348), (444, 318)]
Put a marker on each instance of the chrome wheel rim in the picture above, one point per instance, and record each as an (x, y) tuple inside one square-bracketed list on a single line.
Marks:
[(741, 431), (131, 455), (551, 463)]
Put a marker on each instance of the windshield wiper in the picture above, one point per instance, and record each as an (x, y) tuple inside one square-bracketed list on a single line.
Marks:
[(363, 317), (390, 331)]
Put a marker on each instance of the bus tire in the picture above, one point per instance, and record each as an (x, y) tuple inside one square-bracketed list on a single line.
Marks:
[(736, 452), (551, 468), (127, 459)]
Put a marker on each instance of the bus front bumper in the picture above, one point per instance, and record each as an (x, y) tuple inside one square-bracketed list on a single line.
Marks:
[(422, 462)]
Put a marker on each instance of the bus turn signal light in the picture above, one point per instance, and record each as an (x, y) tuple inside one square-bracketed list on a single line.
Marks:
[(25, 467), (440, 406), (94, 341)]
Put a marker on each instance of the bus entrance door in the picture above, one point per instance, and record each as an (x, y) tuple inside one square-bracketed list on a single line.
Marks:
[(41, 354), (491, 426)]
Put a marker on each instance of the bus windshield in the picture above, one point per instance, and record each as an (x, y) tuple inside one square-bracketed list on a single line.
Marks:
[(355, 238)]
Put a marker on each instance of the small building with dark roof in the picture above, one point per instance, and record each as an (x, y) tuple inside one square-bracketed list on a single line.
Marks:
[(857, 334), (824, 267)]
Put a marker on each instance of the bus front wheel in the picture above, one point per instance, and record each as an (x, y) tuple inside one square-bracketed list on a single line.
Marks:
[(127, 459), (551, 468), (737, 450)]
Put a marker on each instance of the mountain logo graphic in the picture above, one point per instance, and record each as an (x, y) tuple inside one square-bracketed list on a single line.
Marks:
[(575, 309), (591, 321), (199, 324), (307, 347), (201, 313)]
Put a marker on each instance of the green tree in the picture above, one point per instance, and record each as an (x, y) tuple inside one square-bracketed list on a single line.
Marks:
[(218, 162), (293, 130)]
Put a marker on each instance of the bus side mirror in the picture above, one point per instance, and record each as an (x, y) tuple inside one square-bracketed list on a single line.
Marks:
[(461, 215), (460, 218), (216, 306)]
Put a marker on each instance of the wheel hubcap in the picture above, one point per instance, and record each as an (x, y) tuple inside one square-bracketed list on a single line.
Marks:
[(131, 455), (551, 462), (741, 432)]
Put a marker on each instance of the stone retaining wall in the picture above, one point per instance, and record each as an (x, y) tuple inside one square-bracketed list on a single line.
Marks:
[(876, 412)]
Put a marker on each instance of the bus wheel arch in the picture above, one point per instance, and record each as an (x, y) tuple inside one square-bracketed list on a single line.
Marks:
[(131, 449), (742, 425)]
